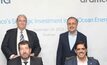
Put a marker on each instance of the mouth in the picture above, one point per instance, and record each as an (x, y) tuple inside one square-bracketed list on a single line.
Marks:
[(71, 27), (81, 53), (25, 54)]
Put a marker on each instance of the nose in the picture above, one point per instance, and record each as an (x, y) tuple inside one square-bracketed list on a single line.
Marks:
[(24, 51)]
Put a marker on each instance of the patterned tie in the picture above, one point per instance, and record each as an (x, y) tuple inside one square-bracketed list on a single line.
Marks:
[(21, 37), (25, 63)]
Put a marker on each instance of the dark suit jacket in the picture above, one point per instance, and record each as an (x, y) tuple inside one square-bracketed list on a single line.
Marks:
[(64, 48), (33, 61), (9, 43), (73, 61)]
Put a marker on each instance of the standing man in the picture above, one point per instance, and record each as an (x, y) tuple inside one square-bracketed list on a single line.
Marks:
[(13, 36), (68, 40), (25, 58), (81, 58)]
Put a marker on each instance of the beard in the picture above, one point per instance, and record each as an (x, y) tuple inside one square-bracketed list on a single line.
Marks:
[(25, 56)]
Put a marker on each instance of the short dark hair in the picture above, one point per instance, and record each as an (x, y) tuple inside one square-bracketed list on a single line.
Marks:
[(80, 42), (23, 43), (72, 18)]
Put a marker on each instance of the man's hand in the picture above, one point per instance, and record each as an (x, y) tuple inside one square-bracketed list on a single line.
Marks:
[(13, 56), (32, 54)]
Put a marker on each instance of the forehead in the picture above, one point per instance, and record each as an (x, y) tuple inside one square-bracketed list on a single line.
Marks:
[(21, 17), (24, 45), (72, 20), (80, 46)]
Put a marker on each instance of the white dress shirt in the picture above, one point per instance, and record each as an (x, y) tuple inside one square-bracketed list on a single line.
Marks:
[(72, 39), (82, 63), (22, 61)]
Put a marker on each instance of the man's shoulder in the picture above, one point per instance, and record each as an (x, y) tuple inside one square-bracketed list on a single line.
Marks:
[(11, 30), (81, 34), (64, 33), (30, 31), (36, 58), (12, 61)]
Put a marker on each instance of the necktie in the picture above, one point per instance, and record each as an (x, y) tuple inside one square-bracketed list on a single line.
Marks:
[(21, 37), (25, 63)]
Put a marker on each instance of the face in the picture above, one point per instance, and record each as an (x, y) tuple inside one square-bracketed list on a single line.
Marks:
[(72, 25), (81, 51), (24, 51), (21, 22)]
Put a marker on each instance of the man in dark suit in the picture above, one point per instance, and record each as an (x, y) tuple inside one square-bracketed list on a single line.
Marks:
[(81, 58), (25, 58), (13, 36), (68, 40)]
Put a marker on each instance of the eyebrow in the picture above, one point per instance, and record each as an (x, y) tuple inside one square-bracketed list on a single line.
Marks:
[(80, 48)]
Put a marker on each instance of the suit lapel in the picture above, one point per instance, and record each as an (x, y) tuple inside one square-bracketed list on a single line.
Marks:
[(15, 35), (77, 37), (75, 61), (67, 41), (15, 39), (32, 62), (19, 61), (29, 36)]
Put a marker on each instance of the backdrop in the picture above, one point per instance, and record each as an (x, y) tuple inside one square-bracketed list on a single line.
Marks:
[(48, 19)]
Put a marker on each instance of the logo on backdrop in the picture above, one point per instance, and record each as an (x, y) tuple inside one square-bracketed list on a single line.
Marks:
[(5, 2), (93, 1)]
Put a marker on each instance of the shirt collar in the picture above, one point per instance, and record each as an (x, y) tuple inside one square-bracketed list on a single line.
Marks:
[(78, 60), (26, 60), (20, 30), (73, 34)]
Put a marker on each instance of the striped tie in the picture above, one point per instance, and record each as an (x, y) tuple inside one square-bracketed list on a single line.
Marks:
[(21, 37)]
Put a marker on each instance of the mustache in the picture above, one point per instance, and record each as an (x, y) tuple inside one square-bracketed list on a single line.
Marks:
[(25, 53), (71, 27)]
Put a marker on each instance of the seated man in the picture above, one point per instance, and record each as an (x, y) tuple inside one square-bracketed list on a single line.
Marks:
[(25, 58), (81, 58)]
